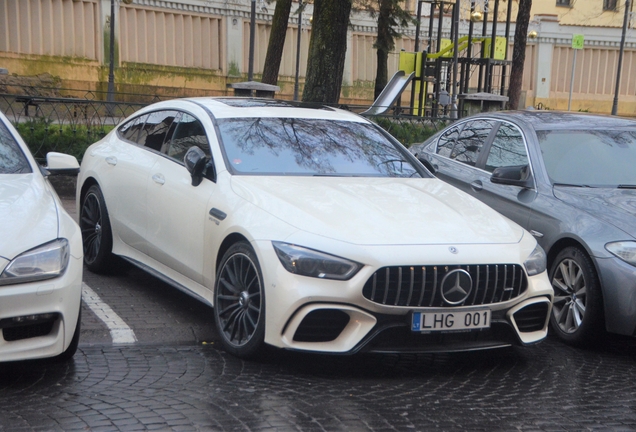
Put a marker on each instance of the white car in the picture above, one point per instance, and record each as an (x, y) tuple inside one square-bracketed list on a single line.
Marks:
[(308, 229), (40, 256)]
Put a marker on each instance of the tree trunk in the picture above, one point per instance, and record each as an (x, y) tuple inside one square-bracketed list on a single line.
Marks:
[(519, 53), (276, 42), (327, 50), (384, 44)]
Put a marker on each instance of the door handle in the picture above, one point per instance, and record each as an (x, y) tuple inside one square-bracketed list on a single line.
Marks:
[(477, 185), (159, 179), (111, 160)]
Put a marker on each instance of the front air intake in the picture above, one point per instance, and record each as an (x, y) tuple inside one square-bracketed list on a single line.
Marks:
[(322, 325), (532, 317)]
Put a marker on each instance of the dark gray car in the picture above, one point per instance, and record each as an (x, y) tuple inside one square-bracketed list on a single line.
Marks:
[(569, 179)]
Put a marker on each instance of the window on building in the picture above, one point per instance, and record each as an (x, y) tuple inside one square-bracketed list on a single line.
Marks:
[(563, 2), (610, 5)]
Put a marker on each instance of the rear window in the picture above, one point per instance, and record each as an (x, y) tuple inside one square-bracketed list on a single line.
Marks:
[(301, 146), (12, 160)]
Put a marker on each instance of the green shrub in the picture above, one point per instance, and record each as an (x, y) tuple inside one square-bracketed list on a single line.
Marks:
[(43, 136), (407, 130)]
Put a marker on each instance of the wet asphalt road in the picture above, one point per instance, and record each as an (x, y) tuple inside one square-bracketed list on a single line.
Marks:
[(177, 377)]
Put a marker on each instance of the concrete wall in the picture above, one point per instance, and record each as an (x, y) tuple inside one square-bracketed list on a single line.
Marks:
[(198, 47)]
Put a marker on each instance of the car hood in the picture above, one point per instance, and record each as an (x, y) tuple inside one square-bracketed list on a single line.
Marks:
[(616, 207), (374, 211), (28, 213)]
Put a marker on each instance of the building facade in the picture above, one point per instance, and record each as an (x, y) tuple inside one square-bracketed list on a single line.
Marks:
[(198, 47)]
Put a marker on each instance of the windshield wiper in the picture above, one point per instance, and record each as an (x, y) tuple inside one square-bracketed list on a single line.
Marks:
[(572, 185), (626, 186)]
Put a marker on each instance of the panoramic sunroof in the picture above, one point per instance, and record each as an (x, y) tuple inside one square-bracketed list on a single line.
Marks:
[(256, 102)]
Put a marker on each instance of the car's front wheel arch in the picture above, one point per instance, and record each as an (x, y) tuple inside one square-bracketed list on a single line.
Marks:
[(225, 245)]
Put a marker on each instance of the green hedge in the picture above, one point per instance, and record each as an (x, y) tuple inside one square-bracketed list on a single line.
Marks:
[(43, 136), (407, 130)]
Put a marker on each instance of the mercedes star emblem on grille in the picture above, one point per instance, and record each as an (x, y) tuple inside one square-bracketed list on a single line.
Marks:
[(456, 286)]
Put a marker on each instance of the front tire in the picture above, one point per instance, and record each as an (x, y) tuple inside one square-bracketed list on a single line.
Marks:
[(577, 313), (97, 236), (239, 302)]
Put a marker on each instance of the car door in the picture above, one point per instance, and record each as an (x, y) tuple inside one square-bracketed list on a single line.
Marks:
[(507, 148), (127, 167), (458, 152), (177, 210)]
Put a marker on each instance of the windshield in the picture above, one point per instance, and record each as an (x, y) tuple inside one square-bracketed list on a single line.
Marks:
[(594, 158), (12, 160), (300, 146)]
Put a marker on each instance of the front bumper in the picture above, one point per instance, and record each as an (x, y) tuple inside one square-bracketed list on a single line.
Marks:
[(328, 316), (38, 319), (346, 329), (618, 281)]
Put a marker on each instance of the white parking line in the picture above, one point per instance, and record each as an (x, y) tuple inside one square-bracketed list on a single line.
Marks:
[(119, 330)]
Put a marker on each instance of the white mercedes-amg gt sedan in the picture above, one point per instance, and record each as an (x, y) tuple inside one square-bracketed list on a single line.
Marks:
[(308, 229), (40, 256)]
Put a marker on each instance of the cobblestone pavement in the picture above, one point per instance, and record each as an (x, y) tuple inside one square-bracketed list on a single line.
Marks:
[(548, 387), (178, 378)]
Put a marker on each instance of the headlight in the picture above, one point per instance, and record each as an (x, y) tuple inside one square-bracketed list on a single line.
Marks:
[(43, 262), (312, 263), (625, 250), (536, 262)]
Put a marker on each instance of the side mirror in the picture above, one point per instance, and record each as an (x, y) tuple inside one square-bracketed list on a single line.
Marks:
[(195, 162), (61, 164), (429, 166), (518, 175)]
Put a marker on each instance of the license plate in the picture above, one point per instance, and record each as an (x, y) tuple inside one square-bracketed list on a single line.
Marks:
[(449, 320)]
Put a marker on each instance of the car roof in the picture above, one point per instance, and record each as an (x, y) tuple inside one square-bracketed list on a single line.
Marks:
[(555, 120), (233, 107)]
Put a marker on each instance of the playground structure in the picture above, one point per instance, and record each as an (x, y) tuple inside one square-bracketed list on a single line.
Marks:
[(457, 75)]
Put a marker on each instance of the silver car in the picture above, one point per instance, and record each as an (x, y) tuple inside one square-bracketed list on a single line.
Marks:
[(569, 179)]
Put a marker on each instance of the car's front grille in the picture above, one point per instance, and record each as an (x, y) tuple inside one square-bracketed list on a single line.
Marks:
[(421, 286)]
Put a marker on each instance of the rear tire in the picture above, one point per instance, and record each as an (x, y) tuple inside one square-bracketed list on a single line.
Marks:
[(97, 236), (239, 302), (577, 313)]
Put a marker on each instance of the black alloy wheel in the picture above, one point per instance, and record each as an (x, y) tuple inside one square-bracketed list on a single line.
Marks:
[(239, 302), (577, 312), (96, 232)]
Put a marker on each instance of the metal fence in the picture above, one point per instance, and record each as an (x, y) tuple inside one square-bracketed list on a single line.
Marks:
[(70, 125), (66, 125)]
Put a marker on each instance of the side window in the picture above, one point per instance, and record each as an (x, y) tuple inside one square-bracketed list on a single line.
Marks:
[(470, 141), (130, 130), (12, 160), (507, 148), (154, 132), (188, 132), (447, 142)]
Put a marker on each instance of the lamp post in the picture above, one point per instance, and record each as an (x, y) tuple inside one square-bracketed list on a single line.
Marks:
[(453, 111), (250, 70), (110, 96), (300, 26), (620, 58)]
